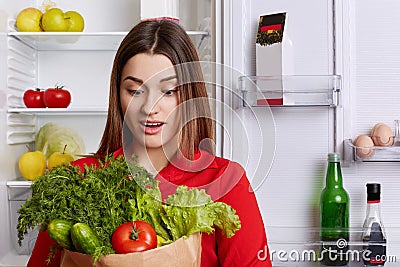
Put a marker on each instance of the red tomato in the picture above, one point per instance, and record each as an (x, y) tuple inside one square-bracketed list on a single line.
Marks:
[(134, 237), (34, 98), (57, 98)]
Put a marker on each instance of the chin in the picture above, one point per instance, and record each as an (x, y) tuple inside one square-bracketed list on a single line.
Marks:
[(153, 145)]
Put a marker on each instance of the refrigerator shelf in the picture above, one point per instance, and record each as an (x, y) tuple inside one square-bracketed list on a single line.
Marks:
[(21, 121), (380, 153), (68, 41), (19, 183), (60, 111), (290, 90)]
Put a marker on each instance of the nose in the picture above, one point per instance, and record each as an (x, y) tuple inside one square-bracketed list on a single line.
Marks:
[(151, 104)]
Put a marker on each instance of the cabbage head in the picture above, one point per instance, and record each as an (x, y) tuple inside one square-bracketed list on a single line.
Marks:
[(52, 137)]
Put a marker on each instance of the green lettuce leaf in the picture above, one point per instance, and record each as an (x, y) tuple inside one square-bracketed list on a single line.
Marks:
[(190, 211), (147, 207), (225, 218)]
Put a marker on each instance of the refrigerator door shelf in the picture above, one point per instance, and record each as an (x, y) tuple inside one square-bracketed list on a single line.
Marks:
[(378, 154), (290, 90)]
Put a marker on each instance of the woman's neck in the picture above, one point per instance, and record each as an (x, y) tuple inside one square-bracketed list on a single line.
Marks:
[(152, 159)]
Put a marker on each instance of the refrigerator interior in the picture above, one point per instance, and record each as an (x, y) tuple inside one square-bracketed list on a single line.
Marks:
[(82, 63), (328, 38)]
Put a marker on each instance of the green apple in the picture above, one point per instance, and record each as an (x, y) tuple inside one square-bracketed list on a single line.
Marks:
[(76, 21), (32, 165), (59, 158), (28, 20), (53, 20)]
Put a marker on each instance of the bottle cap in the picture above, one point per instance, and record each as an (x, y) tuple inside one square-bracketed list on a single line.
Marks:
[(334, 157), (373, 191)]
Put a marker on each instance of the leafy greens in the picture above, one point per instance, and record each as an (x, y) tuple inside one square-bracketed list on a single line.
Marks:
[(116, 192), (190, 211)]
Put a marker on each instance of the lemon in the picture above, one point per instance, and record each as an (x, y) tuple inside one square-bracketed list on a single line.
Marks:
[(32, 165)]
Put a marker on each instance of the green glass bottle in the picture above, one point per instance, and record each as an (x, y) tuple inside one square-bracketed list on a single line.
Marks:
[(334, 216)]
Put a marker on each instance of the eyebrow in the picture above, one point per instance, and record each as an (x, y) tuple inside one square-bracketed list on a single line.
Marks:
[(168, 78), (133, 79), (141, 81)]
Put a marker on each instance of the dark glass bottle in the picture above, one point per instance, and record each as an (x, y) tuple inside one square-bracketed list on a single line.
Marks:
[(373, 235), (334, 216)]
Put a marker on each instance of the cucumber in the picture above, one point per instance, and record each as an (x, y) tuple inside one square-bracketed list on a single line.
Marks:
[(84, 238), (60, 231)]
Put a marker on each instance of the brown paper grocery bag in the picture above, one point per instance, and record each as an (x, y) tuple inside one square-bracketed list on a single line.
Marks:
[(183, 252)]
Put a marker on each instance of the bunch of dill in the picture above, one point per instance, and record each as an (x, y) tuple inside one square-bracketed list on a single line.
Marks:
[(99, 197)]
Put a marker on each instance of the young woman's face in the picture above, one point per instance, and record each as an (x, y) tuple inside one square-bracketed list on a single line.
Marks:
[(149, 100)]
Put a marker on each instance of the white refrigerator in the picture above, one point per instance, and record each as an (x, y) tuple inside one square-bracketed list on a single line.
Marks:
[(342, 79)]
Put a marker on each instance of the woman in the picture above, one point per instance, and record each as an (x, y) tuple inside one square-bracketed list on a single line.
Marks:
[(158, 111)]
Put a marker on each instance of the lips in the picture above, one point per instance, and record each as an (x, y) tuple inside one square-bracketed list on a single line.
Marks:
[(152, 127)]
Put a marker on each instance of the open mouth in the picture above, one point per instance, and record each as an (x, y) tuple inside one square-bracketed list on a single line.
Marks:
[(152, 127), (152, 124)]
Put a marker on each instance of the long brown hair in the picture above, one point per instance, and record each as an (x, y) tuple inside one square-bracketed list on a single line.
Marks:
[(171, 40)]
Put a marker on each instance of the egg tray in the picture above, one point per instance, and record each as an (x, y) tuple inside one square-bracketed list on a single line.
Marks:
[(376, 153)]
